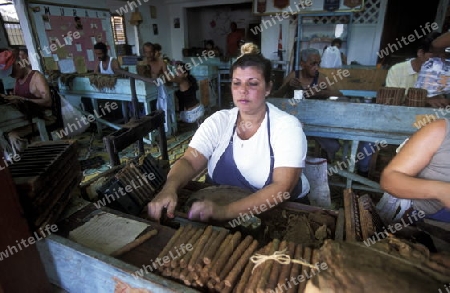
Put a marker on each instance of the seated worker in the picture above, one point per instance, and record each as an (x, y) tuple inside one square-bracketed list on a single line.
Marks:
[(255, 146), (105, 64), (31, 95), (308, 79), (421, 171), (191, 110), (209, 46), (405, 74), (151, 66)]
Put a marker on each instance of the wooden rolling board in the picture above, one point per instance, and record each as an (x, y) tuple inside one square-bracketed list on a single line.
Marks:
[(139, 256)]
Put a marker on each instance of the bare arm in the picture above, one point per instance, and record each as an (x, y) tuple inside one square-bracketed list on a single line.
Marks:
[(39, 88), (280, 92), (115, 65), (283, 182), (442, 41), (186, 168), (399, 177), (323, 89)]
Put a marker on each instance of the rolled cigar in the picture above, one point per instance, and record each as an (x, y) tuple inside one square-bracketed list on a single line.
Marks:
[(237, 253), (262, 281), (185, 260), (172, 241), (223, 258), (193, 241), (176, 272), (307, 253), (219, 286), (256, 275), (245, 275), (135, 243), (276, 268), (286, 269), (199, 263), (212, 250), (233, 275), (199, 247), (295, 268), (193, 276), (211, 284), (225, 243), (183, 239)]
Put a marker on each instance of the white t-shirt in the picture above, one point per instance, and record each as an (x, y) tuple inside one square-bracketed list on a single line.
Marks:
[(252, 156)]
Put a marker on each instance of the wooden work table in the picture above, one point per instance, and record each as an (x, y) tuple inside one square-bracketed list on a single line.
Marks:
[(146, 93), (11, 118), (77, 268)]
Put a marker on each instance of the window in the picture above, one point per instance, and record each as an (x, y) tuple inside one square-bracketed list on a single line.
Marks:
[(118, 26), (11, 24)]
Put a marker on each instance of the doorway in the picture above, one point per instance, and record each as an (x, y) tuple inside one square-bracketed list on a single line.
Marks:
[(402, 19)]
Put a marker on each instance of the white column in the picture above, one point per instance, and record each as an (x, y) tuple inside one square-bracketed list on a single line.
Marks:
[(27, 29)]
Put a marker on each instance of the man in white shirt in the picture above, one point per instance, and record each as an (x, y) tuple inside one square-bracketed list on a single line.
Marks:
[(105, 64)]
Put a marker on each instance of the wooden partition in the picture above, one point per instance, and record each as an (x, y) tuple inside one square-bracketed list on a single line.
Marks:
[(363, 79)]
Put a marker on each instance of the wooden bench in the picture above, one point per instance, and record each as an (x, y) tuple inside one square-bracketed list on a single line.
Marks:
[(357, 122)]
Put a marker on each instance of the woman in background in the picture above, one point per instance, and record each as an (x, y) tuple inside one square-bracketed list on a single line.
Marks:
[(191, 110)]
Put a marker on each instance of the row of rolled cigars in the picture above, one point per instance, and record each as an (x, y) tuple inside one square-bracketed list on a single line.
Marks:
[(224, 262), (415, 97)]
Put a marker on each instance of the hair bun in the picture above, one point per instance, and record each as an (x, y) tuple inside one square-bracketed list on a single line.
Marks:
[(249, 48)]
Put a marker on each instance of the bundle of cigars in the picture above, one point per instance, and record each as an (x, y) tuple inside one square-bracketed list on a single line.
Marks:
[(219, 261)]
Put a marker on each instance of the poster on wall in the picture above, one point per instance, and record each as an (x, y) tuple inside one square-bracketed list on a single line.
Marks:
[(67, 33), (273, 7)]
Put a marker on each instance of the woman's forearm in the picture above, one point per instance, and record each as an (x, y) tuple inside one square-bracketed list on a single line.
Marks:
[(180, 174), (404, 186)]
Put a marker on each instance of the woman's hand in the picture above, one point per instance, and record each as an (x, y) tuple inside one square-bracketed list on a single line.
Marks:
[(206, 210), (167, 198)]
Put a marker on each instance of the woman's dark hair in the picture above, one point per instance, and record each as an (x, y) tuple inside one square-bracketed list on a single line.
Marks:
[(101, 46), (210, 42), (254, 60), (192, 80)]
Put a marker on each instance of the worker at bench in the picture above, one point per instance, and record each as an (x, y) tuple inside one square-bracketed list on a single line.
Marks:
[(421, 171), (255, 146)]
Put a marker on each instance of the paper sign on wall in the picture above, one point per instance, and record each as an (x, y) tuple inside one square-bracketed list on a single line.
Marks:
[(80, 64), (67, 66)]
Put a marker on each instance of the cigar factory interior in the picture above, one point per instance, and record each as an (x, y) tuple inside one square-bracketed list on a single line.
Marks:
[(131, 133)]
